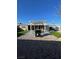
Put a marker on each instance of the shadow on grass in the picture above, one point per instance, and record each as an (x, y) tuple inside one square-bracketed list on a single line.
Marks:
[(36, 49)]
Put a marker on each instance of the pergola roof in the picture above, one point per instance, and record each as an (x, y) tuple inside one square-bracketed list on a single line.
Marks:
[(40, 22)]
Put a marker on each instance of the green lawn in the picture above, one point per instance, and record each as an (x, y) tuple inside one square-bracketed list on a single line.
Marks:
[(57, 34), (21, 33)]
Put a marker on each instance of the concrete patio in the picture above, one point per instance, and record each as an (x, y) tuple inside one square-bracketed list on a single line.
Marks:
[(45, 36)]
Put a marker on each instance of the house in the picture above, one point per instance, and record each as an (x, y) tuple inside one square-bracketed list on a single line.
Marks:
[(41, 25), (22, 26), (38, 25)]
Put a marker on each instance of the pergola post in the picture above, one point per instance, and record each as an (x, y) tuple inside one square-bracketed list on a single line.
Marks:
[(44, 27), (30, 27)]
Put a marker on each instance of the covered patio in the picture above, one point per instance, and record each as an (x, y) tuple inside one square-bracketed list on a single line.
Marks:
[(41, 25)]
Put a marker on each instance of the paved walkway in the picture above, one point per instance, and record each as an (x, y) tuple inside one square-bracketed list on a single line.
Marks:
[(31, 36)]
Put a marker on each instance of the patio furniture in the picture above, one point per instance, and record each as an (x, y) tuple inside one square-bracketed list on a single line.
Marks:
[(37, 33)]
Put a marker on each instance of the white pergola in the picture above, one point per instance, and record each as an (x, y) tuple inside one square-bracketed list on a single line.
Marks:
[(38, 23)]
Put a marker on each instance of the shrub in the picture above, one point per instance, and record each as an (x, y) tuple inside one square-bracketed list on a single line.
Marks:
[(19, 29)]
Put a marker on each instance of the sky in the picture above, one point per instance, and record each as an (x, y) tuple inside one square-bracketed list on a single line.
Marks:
[(50, 10)]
